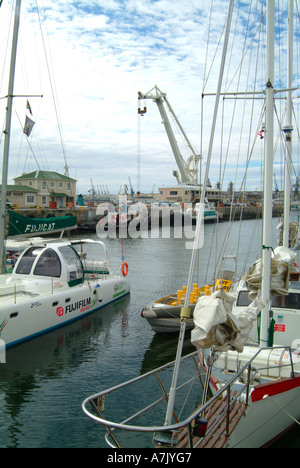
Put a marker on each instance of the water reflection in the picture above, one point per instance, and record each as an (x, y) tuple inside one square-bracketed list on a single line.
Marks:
[(37, 365)]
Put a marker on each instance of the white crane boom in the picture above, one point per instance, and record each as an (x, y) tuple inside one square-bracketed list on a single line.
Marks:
[(188, 169)]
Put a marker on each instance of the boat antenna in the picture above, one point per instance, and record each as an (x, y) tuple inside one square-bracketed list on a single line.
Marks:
[(185, 312), (7, 132)]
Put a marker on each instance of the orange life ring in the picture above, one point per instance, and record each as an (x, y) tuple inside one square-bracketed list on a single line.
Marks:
[(124, 269)]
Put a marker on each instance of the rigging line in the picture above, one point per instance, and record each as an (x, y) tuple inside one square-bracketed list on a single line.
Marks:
[(251, 241), (203, 88), (250, 45), (33, 154), (7, 42), (281, 408), (281, 138), (207, 44), (296, 123), (214, 57), (239, 79), (233, 209), (250, 126), (52, 85), (234, 35)]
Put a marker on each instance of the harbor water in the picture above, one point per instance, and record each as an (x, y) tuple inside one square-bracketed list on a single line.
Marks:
[(44, 381)]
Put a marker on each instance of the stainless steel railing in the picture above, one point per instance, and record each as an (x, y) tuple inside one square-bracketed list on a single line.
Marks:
[(95, 402)]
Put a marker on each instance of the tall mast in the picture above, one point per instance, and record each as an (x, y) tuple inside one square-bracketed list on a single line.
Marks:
[(268, 176), (7, 132), (185, 310), (288, 128)]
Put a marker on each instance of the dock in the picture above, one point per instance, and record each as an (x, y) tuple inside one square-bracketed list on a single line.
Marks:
[(87, 217)]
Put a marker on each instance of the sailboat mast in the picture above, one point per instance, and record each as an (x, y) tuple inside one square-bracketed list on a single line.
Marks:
[(200, 220), (7, 132), (288, 128), (268, 176)]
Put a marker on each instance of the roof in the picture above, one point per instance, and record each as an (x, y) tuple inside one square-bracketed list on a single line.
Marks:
[(45, 175), (54, 194), (20, 188)]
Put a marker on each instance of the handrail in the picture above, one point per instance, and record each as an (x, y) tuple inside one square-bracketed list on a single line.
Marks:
[(124, 426)]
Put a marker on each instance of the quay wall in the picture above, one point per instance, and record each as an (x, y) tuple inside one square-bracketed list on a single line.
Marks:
[(87, 218), (248, 212)]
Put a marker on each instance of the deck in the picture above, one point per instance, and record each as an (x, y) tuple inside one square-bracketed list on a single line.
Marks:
[(221, 423)]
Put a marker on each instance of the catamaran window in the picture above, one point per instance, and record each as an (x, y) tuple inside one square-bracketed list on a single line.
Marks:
[(26, 262), (48, 265), (292, 301), (74, 266), (243, 299)]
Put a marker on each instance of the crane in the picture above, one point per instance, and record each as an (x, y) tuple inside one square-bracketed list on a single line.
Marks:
[(188, 169), (131, 188)]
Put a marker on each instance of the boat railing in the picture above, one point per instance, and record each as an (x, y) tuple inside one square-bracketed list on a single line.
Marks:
[(166, 435)]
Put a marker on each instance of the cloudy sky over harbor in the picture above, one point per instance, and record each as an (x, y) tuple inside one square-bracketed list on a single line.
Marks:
[(99, 54)]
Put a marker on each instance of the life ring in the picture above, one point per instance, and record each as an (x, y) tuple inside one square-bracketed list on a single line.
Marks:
[(124, 269)]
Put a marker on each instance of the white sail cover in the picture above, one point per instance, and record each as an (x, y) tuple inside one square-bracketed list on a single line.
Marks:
[(281, 262), (215, 325)]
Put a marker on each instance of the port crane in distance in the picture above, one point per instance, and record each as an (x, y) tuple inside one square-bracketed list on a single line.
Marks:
[(189, 169)]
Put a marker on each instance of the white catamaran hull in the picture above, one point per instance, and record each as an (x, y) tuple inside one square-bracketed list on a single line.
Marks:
[(56, 283), (39, 312)]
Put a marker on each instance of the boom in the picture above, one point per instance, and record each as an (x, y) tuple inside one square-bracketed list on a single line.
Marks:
[(188, 169)]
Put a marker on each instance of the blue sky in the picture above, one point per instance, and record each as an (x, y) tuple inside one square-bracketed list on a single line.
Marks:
[(100, 54)]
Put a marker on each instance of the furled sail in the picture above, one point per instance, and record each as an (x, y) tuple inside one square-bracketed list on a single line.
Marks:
[(281, 262), (215, 325)]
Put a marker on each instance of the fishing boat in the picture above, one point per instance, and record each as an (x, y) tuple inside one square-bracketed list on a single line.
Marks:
[(51, 283), (210, 213), (250, 384)]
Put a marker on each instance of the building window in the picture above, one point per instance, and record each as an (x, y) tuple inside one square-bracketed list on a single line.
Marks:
[(44, 185), (173, 192), (44, 200), (61, 185), (68, 186), (30, 199), (52, 184)]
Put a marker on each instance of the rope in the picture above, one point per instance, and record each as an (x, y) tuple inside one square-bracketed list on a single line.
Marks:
[(281, 408)]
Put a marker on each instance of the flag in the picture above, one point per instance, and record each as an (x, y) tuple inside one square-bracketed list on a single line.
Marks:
[(28, 126), (28, 107)]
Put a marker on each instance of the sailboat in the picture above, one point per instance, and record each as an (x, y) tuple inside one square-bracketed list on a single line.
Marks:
[(250, 391), (51, 283)]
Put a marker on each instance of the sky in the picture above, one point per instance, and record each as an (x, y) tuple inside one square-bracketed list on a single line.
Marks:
[(90, 58)]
